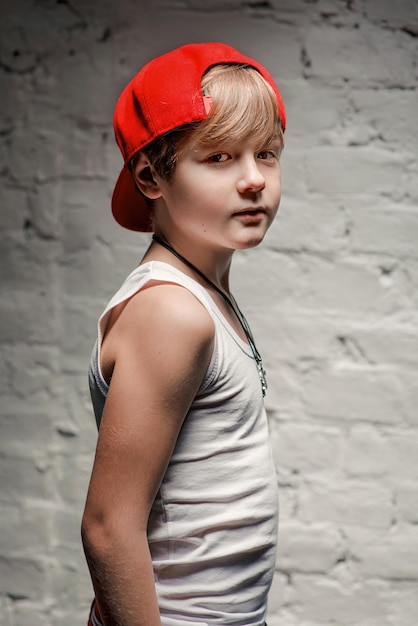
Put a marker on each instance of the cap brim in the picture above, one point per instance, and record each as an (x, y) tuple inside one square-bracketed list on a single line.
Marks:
[(129, 207)]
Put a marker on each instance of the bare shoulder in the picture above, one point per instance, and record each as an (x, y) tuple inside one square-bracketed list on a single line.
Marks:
[(163, 306), (162, 319)]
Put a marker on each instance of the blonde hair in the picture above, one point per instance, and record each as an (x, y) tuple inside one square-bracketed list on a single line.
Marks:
[(243, 105)]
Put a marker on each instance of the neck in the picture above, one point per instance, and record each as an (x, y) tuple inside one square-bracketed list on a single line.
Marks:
[(211, 265), (193, 267)]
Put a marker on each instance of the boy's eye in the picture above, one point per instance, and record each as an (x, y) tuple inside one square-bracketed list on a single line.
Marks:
[(267, 155), (218, 158)]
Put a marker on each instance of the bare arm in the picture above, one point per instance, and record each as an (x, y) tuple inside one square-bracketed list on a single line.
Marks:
[(161, 346)]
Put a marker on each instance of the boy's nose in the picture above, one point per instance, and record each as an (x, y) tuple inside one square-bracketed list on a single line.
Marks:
[(251, 179)]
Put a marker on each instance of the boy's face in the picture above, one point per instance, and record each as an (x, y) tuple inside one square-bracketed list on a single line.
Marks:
[(223, 196)]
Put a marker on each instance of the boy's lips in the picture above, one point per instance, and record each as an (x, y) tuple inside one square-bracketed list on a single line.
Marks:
[(251, 213)]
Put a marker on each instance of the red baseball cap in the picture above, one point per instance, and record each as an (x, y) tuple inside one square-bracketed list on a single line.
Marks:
[(165, 94)]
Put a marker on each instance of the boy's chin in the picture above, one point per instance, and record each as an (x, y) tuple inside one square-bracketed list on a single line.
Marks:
[(251, 238), (251, 242)]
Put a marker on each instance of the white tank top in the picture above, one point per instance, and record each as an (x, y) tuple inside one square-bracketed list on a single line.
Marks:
[(213, 526)]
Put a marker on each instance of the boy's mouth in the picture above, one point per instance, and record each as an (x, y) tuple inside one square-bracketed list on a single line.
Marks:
[(256, 212)]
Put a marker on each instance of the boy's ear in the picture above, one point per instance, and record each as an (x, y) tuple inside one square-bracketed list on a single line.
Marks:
[(143, 176)]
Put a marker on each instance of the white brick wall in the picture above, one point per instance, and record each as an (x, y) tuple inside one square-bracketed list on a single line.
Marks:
[(332, 295)]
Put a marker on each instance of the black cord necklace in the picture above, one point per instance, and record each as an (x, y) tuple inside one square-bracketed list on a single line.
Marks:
[(234, 306)]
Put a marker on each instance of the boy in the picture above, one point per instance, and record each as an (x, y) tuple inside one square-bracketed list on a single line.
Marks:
[(180, 521)]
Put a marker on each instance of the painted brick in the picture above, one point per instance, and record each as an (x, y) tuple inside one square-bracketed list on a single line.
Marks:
[(366, 55), (389, 343), (403, 603), (346, 503), (309, 450), (27, 314), (402, 13), (393, 555), (366, 452), (25, 262), (380, 231), (403, 457), (309, 548), (11, 220), (21, 579), (406, 501), (325, 602), (355, 393), (24, 532), (21, 424), (354, 171), (390, 113), (301, 226)]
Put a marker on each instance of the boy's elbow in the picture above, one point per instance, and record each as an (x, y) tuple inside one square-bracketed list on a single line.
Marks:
[(97, 536), (104, 534), (92, 533)]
